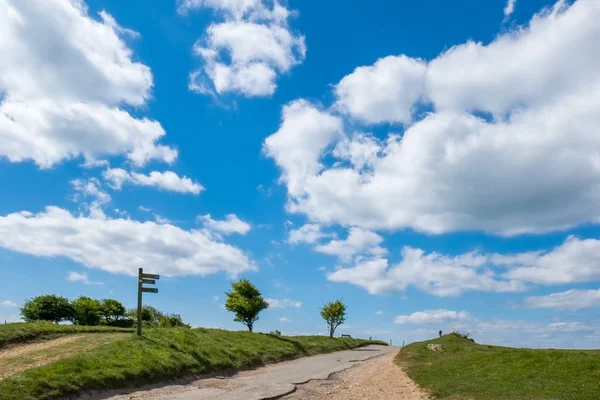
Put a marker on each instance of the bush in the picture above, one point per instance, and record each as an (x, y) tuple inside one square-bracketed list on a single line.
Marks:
[(172, 321), (276, 332), (87, 311), (122, 323), (112, 310), (48, 307), (464, 335)]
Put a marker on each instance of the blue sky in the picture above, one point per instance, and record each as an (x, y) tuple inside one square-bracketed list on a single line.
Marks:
[(434, 164)]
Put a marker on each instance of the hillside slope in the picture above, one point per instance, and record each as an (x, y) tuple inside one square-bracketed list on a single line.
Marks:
[(464, 369), (162, 354)]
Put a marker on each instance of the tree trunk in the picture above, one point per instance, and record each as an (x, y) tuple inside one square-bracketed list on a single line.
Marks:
[(331, 332), (250, 327)]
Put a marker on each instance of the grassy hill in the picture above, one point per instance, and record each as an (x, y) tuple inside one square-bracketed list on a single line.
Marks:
[(22, 332), (162, 354), (467, 370)]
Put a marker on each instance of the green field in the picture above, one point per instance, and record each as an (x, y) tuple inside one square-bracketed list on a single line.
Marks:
[(23, 332), (162, 354), (466, 370)]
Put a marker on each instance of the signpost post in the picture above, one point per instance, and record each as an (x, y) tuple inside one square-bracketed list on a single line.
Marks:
[(148, 279)]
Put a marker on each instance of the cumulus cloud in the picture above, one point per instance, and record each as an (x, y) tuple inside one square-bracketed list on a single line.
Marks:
[(510, 146), (432, 317), (231, 224), (435, 273), (574, 261), (81, 277), (283, 303), (246, 51), (308, 233), (167, 180), (72, 106), (120, 245), (384, 92), (359, 241), (573, 299), (285, 320)]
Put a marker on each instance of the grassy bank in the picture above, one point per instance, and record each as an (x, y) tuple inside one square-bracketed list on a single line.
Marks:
[(26, 332), (466, 370), (162, 354)]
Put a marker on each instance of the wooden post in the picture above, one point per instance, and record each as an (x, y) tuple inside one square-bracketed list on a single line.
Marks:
[(139, 313)]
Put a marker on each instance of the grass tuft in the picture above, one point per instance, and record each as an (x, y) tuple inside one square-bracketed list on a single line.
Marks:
[(464, 369), (163, 354)]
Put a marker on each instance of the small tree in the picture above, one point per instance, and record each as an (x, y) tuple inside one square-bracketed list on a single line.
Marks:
[(48, 307), (112, 310), (87, 311), (246, 301), (334, 313), (150, 316)]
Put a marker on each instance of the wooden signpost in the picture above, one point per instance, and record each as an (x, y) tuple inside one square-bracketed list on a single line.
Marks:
[(148, 279)]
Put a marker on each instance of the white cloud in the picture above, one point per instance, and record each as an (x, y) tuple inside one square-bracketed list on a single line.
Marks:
[(8, 304), (216, 298), (91, 189), (529, 166), (167, 180), (308, 233), (283, 303), (574, 261), (231, 224), (160, 219), (510, 7), (383, 92), (359, 241), (434, 273), (285, 320), (304, 134), (247, 50), (120, 245), (573, 299), (71, 106), (81, 277), (379, 313), (433, 317)]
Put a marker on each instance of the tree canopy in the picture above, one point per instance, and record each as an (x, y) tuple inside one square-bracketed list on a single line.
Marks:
[(334, 314), (87, 311), (48, 307), (246, 301)]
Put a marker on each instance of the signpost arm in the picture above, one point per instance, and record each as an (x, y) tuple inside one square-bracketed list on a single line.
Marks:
[(139, 307)]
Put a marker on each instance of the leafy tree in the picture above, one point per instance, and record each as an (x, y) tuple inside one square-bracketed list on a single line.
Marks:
[(246, 301), (172, 321), (48, 307), (112, 310), (87, 311), (334, 313), (150, 315)]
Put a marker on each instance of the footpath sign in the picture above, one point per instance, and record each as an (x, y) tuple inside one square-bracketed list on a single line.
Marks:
[(148, 279)]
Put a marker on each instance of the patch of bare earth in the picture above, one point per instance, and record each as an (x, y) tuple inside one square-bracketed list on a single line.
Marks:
[(378, 379)]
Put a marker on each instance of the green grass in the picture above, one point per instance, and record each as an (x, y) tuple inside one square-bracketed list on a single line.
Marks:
[(466, 370), (163, 354), (22, 332), (22, 358)]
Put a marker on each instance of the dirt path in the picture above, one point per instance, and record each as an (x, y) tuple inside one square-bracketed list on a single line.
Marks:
[(18, 358), (377, 379)]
